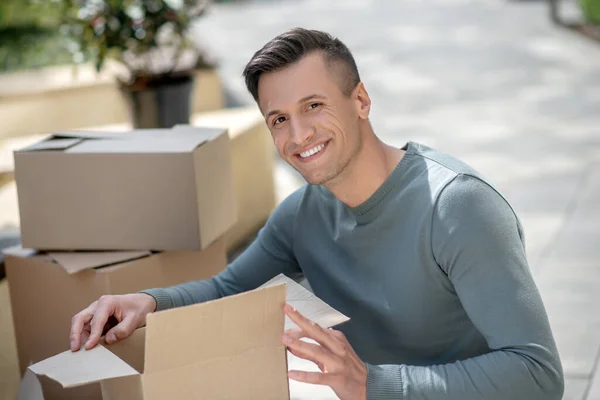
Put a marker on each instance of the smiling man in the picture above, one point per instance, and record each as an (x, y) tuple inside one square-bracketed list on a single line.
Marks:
[(424, 255)]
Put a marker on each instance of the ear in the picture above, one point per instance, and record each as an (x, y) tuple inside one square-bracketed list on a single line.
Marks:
[(362, 101)]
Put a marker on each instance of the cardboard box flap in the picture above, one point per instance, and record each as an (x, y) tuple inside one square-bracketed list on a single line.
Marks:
[(108, 134), (209, 133), (76, 261), (91, 135), (159, 132), (215, 330), (72, 369), (183, 139), (173, 143), (307, 304), (130, 349), (52, 143), (63, 140)]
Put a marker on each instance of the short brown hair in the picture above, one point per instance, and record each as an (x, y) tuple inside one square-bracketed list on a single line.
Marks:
[(289, 47)]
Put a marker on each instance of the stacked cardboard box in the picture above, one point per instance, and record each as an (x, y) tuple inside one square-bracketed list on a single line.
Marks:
[(166, 203), (112, 213), (138, 190), (251, 145)]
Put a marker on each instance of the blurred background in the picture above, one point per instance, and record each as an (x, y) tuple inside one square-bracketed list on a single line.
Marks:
[(512, 87)]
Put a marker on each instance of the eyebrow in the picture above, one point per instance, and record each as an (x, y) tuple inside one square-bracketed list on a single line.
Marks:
[(302, 100)]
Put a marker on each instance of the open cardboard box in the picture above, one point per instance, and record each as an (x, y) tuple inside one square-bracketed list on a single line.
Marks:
[(156, 189), (48, 289), (223, 349)]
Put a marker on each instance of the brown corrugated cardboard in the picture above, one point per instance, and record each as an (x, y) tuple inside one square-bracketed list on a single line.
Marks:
[(253, 158), (76, 261), (45, 295), (190, 352), (9, 369), (193, 352), (139, 190)]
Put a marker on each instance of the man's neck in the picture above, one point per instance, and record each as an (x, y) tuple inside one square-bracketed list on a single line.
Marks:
[(366, 172)]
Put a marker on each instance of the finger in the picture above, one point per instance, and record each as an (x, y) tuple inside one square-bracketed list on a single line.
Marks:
[(85, 335), (104, 310), (311, 352), (77, 326), (314, 331), (122, 330), (111, 322), (296, 333), (316, 378), (337, 334), (300, 355)]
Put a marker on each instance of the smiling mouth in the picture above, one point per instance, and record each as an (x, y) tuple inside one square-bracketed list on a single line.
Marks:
[(312, 153)]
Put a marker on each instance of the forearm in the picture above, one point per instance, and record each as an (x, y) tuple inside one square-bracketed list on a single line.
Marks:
[(184, 294), (268, 256), (229, 282), (252, 268), (501, 375)]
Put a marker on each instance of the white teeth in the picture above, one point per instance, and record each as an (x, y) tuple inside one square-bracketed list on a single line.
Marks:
[(312, 151)]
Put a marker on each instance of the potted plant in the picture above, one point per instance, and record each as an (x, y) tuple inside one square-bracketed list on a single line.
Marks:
[(151, 41)]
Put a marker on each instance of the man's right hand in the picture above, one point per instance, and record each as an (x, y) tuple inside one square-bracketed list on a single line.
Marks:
[(116, 316)]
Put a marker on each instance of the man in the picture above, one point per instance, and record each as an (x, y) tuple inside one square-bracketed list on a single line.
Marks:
[(423, 254)]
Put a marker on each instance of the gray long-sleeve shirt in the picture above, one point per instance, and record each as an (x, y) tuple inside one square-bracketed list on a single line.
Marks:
[(432, 271)]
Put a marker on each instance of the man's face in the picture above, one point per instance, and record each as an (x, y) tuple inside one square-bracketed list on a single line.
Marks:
[(315, 127)]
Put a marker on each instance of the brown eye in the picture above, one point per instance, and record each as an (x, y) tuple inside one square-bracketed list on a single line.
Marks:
[(278, 120), (314, 105)]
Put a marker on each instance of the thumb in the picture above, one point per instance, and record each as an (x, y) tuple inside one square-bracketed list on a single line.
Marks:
[(122, 330)]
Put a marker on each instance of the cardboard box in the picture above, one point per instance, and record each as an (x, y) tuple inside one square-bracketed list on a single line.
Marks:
[(253, 159), (48, 289), (9, 370), (138, 190), (223, 349)]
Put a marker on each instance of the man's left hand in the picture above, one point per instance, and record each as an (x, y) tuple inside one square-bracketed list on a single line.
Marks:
[(341, 368)]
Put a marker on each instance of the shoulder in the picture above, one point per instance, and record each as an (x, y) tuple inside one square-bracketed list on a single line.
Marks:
[(445, 163), (453, 182), (462, 198), (472, 195), (470, 199), (471, 205)]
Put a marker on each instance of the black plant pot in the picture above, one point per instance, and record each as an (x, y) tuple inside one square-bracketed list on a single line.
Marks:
[(160, 104)]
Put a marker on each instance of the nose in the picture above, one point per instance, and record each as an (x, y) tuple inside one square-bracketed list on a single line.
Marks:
[(302, 131)]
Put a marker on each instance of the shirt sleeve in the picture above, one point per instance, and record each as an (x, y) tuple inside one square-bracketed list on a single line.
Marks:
[(270, 254), (477, 241)]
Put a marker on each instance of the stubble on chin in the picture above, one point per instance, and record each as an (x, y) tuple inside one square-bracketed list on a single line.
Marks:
[(322, 179)]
